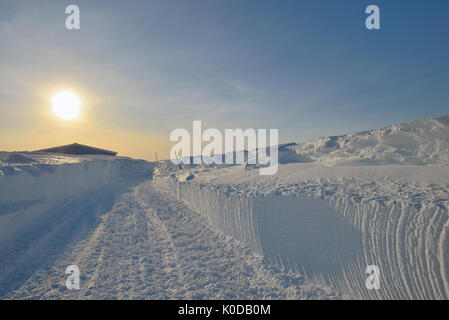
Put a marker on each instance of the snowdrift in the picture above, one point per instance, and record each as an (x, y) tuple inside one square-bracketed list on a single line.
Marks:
[(419, 143), (31, 183), (344, 203), (333, 239)]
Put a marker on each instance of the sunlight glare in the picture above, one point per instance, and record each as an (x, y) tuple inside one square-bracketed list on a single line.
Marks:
[(66, 105)]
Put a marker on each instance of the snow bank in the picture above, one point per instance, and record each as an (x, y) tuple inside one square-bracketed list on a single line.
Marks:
[(333, 239), (31, 183), (36, 180), (340, 204)]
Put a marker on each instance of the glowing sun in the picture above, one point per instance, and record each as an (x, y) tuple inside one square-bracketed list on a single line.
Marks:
[(66, 105)]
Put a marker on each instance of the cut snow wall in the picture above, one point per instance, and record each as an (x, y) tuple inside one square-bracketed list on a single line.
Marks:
[(28, 194), (334, 240), (64, 180)]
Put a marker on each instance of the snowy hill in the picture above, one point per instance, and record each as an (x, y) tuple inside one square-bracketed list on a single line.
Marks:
[(419, 142)]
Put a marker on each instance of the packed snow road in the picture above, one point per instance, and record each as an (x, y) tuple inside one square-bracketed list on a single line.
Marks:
[(146, 245)]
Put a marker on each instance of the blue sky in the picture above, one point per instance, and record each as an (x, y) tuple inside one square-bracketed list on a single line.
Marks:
[(308, 68)]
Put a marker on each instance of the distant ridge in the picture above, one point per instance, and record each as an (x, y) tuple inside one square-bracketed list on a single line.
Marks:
[(418, 142)]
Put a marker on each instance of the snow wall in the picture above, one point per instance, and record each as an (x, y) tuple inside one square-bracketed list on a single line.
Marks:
[(334, 240), (28, 193)]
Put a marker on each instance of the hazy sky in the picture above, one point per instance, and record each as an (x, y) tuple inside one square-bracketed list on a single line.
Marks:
[(144, 68)]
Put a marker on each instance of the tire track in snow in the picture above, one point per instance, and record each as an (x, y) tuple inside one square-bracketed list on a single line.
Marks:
[(170, 255), (150, 246)]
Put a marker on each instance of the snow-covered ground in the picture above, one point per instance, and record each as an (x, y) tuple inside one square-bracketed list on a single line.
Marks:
[(340, 204), (150, 246), (331, 223), (31, 183), (128, 239), (47, 195), (336, 206)]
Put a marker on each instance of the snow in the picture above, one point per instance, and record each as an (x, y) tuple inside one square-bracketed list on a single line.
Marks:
[(129, 240), (420, 143), (331, 223), (34, 185), (333, 215), (34, 176), (335, 206), (149, 246)]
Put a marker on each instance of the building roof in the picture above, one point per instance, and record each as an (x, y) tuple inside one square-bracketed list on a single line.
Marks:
[(78, 149)]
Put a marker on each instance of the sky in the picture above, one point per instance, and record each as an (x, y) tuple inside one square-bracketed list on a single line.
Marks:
[(143, 68)]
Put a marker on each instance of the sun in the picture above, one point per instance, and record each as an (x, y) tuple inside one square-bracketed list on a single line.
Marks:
[(66, 105)]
